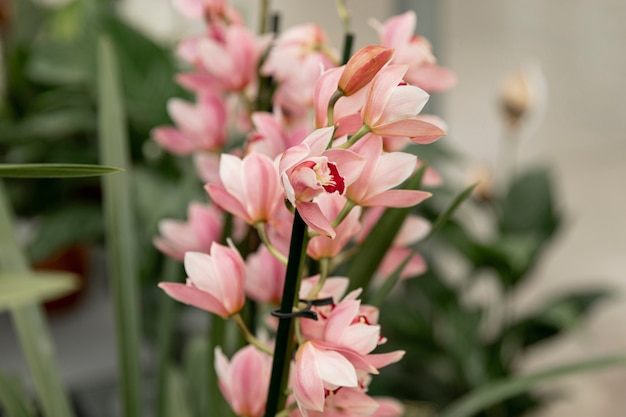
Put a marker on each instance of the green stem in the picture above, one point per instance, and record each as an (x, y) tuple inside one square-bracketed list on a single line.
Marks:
[(263, 16), (249, 336), (343, 213), (288, 410), (283, 350), (167, 315), (364, 130), (260, 227), (217, 332), (331, 109), (324, 266)]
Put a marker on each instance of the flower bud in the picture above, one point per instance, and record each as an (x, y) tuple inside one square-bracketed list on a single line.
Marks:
[(362, 67)]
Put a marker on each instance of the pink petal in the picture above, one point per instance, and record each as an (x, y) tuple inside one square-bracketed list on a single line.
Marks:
[(418, 130), (341, 317), (308, 387), (432, 78), (313, 216), (380, 91), (195, 297), (335, 369), (173, 140), (405, 102), (380, 360), (396, 198), (392, 169), (227, 202)]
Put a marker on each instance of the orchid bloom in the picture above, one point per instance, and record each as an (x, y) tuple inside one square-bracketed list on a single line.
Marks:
[(211, 10), (250, 187), (266, 277), (415, 51), (203, 227), (296, 61), (215, 282), (199, 127), (382, 172), (308, 170), (271, 136), (318, 371), (244, 380), (392, 107), (234, 60)]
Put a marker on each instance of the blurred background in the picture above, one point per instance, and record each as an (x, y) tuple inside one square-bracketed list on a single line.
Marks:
[(577, 132)]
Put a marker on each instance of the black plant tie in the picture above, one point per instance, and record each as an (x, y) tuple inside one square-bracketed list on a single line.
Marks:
[(306, 312)]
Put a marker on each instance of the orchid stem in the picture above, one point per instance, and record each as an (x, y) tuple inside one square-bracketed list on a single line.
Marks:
[(324, 266), (260, 228), (347, 208), (331, 107), (249, 336), (288, 410), (263, 16), (364, 130), (283, 350)]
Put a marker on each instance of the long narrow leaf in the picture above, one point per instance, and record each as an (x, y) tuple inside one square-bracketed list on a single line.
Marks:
[(371, 253), (21, 289), (30, 325), (491, 394), (14, 399), (120, 228), (54, 170)]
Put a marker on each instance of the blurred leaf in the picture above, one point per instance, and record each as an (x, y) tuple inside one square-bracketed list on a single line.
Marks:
[(60, 63), (30, 325), (58, 124), (120, 227), (21, 289), (57, 230), (493, 393), (561, 314), (54, 170), (14, 399), (176, 403), (528, 207), (30, 17)]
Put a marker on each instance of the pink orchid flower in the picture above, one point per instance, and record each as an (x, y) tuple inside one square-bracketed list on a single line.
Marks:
[(200, 127), (250, 188), (203, 227), (392, 107), (415, 51), (382, 172), (266, 277), (232, 61), (272, 136), (296, 61), (318, 371), (325, 247), (210, 10), (244, 380), (215, 282), (308, 170)]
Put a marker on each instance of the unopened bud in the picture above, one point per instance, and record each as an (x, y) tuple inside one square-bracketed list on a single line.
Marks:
[(362, 68)]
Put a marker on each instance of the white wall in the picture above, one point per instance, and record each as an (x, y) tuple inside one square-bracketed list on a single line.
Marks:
[(580, 46)]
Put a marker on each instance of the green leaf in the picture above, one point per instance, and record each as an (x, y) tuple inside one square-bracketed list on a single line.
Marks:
[(176, 403), (120, 228), (498, 391), (449, 212), (14, 399), (30, 326), (20, 289), (563, 313), (529, 205), (54, 170)]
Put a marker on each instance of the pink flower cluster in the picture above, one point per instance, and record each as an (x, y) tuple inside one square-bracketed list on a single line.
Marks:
[(330, 148)]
